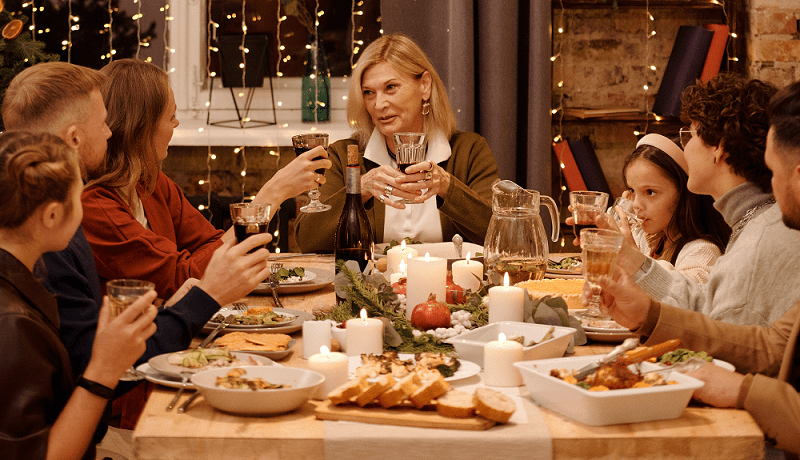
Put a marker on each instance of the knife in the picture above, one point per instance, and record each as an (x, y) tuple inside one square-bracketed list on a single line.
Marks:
[(182, 408), (214, 333), (631, 358)]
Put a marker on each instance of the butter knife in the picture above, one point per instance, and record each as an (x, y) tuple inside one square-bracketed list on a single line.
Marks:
[(214, 333)]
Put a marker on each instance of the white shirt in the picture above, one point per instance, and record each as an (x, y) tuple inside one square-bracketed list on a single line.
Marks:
[(420, 222)]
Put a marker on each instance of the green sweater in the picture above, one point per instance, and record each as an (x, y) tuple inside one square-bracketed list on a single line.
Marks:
[(466, 210)]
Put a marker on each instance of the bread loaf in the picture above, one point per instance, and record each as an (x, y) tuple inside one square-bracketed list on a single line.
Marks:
[(455, 404), (346, 391), (404, 388), (428, 391), (375, 389), (493, 405)]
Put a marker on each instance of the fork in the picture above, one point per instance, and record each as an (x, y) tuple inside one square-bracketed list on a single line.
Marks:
[(274, 283)]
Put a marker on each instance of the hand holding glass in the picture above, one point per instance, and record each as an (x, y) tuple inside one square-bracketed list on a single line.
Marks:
[(250, 219), (627, 207), (121, 293), (586, 205), (599, 249), (410, 150), (303, 143)]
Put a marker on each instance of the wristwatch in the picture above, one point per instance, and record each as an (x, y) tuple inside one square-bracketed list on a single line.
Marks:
[(648, 262), (95, 388)]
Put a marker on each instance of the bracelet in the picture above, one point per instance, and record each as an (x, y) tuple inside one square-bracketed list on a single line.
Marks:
[(95, 388)]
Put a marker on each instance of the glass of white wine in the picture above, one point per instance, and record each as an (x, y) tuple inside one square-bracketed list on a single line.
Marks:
[(121, 293), (599, 249)]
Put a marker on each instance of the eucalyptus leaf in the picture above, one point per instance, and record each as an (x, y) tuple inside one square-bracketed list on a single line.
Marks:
[(391, 337)]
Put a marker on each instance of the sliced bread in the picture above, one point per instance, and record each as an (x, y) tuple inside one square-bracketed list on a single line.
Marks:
[(493, 405), (401, 390), (455, 404), (347, 391), (429, 391), (375, 389)]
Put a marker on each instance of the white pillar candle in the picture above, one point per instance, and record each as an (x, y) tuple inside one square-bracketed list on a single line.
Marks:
[(426, 275), (505, 302), (364, 335), (397, 254), (316, 334), (334, 366), (498, 363), (468, 274), (400, 274)]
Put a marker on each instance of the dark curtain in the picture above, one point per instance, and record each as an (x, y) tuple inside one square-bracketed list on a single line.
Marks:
[(494, 58)]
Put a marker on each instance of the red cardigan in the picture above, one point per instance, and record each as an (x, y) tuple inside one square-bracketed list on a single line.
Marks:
[(177, 246)]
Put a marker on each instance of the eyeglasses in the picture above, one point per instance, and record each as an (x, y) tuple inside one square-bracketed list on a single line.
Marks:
[(685, 135)]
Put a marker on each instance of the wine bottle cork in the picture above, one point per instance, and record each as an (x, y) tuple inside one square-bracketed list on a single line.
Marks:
[(352, 155)]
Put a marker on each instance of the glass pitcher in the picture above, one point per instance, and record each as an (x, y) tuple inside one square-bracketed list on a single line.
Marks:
[(516, 242)]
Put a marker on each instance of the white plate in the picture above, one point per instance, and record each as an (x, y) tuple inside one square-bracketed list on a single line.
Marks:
[(294, 326), (612, 327), (610, 337), (321, 279), (466, 370), (249, 327), (162, 365), (154, 376), (717, 362), (270, 354), (307, 278)]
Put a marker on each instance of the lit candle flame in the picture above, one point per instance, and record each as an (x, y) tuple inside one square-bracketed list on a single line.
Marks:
[(325, 351), (501, 337), (427, 257), (402, 245), (468, 254), (402, 268), (363, 315), (505, 280)]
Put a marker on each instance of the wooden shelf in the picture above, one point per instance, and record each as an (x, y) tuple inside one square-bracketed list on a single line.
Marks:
[(586, 4), (626, 119)]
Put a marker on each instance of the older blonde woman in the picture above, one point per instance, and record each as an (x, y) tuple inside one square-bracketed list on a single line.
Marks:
[(394, 88)]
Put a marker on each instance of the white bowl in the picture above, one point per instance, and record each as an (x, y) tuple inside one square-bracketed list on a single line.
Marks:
[(304, 383), (612, 407), (469, 345)]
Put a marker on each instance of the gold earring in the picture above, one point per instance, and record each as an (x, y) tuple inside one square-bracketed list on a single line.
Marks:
[(426, 107)]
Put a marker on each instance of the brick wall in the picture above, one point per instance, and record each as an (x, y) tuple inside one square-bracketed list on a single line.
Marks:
[(774, 40)]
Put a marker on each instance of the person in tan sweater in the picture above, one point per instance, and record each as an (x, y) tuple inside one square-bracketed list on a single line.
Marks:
[(759, 353)]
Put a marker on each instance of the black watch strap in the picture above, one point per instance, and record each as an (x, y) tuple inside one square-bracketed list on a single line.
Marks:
[(95, 388)]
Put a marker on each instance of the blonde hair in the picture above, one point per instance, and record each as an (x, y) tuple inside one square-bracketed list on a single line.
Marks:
[(136, 96), (403, 54), (49, 96), (35, 169)]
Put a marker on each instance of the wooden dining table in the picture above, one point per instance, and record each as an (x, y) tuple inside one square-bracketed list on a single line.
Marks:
[(203, 432)]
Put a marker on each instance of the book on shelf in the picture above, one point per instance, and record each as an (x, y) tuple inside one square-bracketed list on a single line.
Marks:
[(589, 165), (716, 51), (580, 112), (685, 63), (569, 168)]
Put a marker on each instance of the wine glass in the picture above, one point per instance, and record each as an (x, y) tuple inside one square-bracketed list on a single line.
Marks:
[(599, 249), (410, 150), (121, 293), (586, 205), (303, 143), (250, 219)]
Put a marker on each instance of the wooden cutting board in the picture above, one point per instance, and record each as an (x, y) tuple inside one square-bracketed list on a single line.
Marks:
[(402, 416)]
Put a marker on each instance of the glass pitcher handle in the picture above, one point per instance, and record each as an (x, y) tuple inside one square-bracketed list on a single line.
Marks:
[(554, 216)]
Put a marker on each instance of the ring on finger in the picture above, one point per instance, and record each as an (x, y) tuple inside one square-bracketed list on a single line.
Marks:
[(428, 175), (317, 179), (381, 198), (388, 189), (431, 168), (385, 197)]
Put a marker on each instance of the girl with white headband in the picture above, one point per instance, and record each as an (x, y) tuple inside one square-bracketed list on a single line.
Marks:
[(680, 229)]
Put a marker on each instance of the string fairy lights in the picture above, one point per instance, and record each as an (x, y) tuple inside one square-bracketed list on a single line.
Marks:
[(559, 108)]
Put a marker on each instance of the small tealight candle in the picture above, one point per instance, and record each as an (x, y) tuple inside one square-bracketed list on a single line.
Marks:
[(396, 277), (468, 274), (364, 335), (397, 254), (334, 366), (426, 275), (316, 334), (506, 302), (498, 363)]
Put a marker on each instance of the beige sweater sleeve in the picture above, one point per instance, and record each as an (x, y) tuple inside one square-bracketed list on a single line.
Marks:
[(695, 260)]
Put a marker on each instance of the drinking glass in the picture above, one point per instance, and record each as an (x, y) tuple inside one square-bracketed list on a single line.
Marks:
[(410, 150), (121, 293), (303, 143), (627, 207), (250, 219), (599, 249), (585, 207)]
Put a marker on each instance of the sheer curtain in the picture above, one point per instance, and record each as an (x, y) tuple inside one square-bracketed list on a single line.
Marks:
[(494, 58)]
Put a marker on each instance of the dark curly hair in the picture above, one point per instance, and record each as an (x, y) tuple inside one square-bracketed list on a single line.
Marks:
[(784, 117), (731, 111)]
